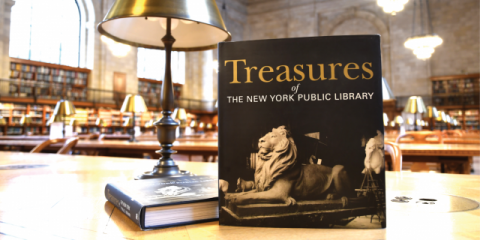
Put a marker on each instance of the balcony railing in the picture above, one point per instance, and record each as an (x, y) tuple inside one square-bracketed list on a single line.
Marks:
[(16, 90)]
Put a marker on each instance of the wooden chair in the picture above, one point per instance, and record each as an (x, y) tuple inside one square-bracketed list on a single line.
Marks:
[(395, 154), (420, 137), (68, 144), (453, 133)]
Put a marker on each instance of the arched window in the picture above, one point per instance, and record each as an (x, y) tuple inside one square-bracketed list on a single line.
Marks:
[(46, 31), (151, 65)]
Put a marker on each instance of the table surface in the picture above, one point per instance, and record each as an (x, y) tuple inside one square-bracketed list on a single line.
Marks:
[(66, 200)]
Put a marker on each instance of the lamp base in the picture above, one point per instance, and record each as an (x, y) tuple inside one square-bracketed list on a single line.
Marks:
[(164, 171)]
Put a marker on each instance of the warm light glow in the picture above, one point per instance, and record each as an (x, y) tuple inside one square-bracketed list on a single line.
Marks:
[(399, 120), (163, 23), (186, 21), (392, 6), (385, 119), (215, 65), (117, 49), (423, 46)]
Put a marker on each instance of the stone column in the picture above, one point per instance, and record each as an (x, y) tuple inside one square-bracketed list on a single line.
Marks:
[(5, 15)]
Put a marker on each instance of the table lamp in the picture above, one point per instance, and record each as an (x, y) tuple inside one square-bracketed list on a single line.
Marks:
[(2, 121), (415, 105), (385, 119), (25, 121), (134, 104), (181, 115), (431, 114), (53, 118), (193, 25), (63, 109)]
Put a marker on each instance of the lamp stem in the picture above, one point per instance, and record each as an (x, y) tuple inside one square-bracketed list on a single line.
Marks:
[(166, 126), (132, 139)]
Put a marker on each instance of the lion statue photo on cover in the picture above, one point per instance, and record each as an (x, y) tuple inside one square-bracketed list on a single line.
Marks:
[(279, 178)]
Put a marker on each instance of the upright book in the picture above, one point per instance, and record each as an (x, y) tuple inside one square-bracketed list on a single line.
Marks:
[(301, 132), (166, 202)]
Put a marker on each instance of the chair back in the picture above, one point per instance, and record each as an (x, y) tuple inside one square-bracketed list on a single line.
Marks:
[(421, 137), (453, 133), (68, 144), (395, 154)]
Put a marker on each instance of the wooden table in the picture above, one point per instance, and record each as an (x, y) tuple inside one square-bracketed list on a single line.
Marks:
[(66, 200), (125, 148), (452, 154)]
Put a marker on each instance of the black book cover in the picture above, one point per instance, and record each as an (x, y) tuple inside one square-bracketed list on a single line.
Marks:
[(134, 197), (301, 132)]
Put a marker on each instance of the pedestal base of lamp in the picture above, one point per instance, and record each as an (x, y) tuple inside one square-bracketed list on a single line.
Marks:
[(164, 171)]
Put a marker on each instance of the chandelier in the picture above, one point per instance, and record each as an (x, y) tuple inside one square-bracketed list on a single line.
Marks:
[(392, 6), (423, 45)]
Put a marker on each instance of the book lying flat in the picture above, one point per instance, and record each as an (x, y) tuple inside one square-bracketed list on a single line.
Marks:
[(166, 202)]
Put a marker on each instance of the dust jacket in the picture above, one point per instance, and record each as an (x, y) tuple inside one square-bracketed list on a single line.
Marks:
[(166, 202), (301, 133)]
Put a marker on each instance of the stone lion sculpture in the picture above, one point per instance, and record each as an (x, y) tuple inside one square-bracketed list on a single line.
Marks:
[(374, 154), (279, 179)]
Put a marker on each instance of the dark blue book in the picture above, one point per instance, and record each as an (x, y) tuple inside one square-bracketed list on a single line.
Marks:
[(166, 202), (301, 132)]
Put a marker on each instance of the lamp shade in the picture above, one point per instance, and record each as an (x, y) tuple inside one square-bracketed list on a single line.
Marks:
[(99, 122), (133, 103), (64, 108), (2, 121), (54, 118), (441, 116), (25, 120), (179, 113), (431, 112), (127, 122), (415, 105), (196, 24), (385, 119)]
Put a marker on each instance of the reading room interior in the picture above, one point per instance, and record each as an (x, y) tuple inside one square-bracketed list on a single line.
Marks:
[(99, 91)]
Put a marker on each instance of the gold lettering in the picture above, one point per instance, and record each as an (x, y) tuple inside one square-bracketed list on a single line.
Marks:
[(299, 72), (260, 73), (369, 71), (286, 73), (235, 80), (345, 70), (248, 73), (322, 72), (332, 69)]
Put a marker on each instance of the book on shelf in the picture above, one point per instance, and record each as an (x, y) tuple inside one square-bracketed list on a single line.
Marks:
[(166, 202), (301, 133)]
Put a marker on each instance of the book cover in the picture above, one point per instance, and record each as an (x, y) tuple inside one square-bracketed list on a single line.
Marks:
[(301, 132), (166, 202)]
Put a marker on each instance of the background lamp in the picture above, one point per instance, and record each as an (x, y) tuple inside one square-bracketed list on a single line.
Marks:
[(133, 104), (2, 121), (128, 22), (63, 109), (415, 105)]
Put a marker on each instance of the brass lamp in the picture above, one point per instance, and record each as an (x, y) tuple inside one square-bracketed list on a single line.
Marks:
[(415, 105), (2, 121), (63, 109), (25, 121), (53, 118), (181, 115), (197, 25), (134, 104), (431, 114)]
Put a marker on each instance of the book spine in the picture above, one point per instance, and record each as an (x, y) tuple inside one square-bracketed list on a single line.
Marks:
[(131, 208)]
